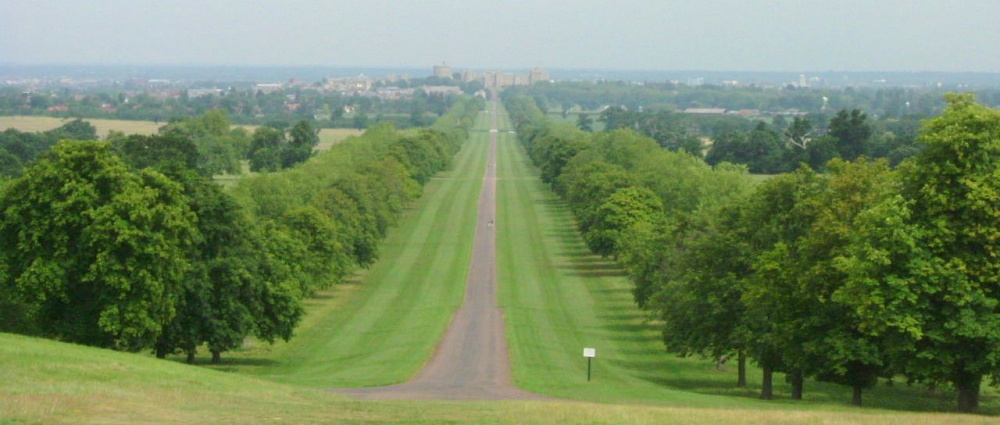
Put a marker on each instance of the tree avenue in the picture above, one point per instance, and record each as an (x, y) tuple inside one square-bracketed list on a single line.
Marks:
[(844, 276), (128, 244)]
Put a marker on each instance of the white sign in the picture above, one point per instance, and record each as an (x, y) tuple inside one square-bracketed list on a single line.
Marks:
[(589, 352)]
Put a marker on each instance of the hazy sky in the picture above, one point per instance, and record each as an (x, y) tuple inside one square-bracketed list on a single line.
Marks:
[(712, 35)]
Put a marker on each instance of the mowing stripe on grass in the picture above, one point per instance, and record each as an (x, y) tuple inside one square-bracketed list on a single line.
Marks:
[(394, 319)]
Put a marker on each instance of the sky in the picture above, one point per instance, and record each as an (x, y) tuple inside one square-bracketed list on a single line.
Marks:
[(709, 35)]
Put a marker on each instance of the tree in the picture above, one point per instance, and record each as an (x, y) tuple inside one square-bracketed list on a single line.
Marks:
[(584, 122), (99, 251), (623, 209), (163, 152), (77, 129), (304, 139), (797, 134), (266, 148), (701, 276), (851, 132), (219, 147), (922, 269)]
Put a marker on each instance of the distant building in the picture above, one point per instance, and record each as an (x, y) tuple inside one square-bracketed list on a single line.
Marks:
[(537, 75), (469, 76), (705, 111), (443, 70), (348, 86), (441, 90), (494, 79), (196, 93), (267, 88)]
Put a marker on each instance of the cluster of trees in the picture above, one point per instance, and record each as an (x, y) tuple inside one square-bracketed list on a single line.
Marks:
[(781, 146), (128, 245), (241, 103), (18, 148), (847, 276), (222, 148), (888, 102), (773, 148)]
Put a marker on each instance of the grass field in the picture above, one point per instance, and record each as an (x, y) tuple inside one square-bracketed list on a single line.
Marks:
[(379, 329), (37, 123), (54, 383), (327, 136)]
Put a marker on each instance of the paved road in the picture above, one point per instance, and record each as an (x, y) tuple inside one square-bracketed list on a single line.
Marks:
[(471, 363)]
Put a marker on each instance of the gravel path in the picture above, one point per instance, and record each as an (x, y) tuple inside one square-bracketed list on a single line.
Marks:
[(471, 362)]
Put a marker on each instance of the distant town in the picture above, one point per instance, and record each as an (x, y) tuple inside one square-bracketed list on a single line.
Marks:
[(443, 80)]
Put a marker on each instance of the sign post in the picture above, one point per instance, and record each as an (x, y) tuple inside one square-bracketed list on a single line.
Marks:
[(589, 353)]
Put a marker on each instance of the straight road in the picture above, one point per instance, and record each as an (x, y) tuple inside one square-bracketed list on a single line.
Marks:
[(471, 362)]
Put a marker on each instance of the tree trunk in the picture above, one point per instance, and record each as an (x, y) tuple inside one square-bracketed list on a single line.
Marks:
[(190, 357), (968, 392), (856, 399), (161, 352), (766, 386), (797, 383), (932, 389), (741, 379), (216, 356)]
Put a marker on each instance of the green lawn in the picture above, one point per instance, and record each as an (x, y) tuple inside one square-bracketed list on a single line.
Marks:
[(47, 382)]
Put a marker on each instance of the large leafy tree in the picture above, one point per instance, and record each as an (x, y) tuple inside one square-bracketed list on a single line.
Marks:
[(99, 252), (923, 269), (220, 147), (623, 209), (852, 133)]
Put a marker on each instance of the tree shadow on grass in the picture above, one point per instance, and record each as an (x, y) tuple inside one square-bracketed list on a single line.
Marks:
[(228, 362), (588, 269)]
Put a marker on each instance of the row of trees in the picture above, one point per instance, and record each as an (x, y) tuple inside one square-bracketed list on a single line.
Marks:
[(127, 245), (888, 102), (775, 147), (858, 273), (18, 148)]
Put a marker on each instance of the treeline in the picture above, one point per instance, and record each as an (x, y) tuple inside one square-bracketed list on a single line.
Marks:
[(219, 147), (775, 147), (18, 148), (126, 245), (241, 103), (851, 275), (887, 102)]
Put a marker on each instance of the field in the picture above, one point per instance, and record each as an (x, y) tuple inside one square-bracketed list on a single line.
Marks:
[(36, 123), (381, 327), (327, 136)]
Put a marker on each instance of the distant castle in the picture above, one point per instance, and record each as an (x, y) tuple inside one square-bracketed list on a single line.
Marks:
[(493, 79)]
